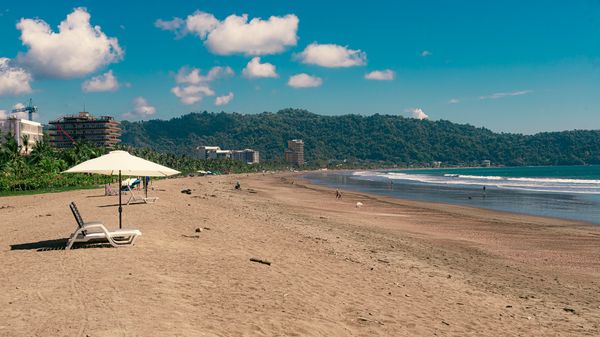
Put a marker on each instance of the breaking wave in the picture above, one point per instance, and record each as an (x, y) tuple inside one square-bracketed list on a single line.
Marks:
[(555, 185)]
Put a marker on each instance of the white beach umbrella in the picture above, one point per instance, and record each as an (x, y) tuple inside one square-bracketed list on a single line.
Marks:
[(122, 163)]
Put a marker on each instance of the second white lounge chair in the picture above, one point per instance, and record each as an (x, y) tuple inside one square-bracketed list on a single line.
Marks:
[(135, 198)]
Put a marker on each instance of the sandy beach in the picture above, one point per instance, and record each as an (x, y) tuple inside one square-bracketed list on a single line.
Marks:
[(389, 268)]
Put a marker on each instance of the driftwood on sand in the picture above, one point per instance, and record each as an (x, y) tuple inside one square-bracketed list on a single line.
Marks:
[(268, 263)]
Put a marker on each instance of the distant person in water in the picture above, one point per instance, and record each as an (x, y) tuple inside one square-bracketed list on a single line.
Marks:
[(484, 191), (338, 194)]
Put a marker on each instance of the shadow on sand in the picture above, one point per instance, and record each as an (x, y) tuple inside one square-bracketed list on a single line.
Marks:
[(124, 204), (56, 244)]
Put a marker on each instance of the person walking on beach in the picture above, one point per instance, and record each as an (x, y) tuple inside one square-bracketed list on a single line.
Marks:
[(338, 194)]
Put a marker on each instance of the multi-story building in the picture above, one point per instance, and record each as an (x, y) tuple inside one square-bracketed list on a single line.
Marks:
[(294, 154), (101, 131), (18, 128), (248, 156), (214, 152)]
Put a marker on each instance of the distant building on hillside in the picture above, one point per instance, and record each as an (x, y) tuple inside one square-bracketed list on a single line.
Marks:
[(436, 164), (101, 131), (214, 152), (22, 127), (294, 154), (248, 156), (486, 163)]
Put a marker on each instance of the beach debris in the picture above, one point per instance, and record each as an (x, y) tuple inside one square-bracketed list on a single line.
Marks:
[(359, 204), (191, 236), (364, 319), (186, 191), (238, 186), (198, 230), (253, 259), (446, 323), (571, 310), (207, 228), (383, 261), (6, 207)]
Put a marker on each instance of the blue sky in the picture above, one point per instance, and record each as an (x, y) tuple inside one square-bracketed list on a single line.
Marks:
[(510, 66)]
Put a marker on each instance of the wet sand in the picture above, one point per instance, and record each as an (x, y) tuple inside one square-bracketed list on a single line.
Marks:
[(389, 268)]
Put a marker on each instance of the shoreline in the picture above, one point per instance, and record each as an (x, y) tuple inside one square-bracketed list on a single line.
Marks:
[(398, 268), (567, 204), (438, 205)]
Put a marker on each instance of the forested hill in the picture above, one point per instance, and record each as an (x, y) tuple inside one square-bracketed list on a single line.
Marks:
[(377, 138)]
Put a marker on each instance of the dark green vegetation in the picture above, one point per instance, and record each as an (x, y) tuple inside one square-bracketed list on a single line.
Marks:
[(378, 138), (40, 170)]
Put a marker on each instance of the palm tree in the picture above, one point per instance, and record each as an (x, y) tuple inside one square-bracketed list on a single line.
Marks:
[(25, 141)]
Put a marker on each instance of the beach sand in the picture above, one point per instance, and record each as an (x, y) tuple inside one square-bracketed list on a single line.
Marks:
[(389, 268)]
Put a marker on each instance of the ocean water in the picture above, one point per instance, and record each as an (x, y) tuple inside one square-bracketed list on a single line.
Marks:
[(567, 192)]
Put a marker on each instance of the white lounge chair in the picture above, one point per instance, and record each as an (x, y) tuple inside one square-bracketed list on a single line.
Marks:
[(95, 231), (135, 198)]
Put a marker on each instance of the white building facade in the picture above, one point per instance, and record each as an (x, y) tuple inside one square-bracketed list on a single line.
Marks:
[(19, 128)]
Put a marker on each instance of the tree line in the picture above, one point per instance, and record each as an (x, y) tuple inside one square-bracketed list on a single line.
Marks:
[(389, 139)]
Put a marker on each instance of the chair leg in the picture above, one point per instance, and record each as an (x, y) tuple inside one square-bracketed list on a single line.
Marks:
[(73, 238)]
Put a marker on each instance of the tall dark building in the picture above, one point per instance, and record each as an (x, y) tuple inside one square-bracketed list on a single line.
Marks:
[(101, 131), (294, 154)]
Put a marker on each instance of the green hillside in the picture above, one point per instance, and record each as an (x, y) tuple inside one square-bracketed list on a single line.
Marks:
[(374, 138)]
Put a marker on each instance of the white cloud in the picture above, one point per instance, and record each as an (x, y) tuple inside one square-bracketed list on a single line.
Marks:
[(381, 75), (19, 106), (304, 81), (191, 94), (176, 25), (417, 113), (201, 24), (192, 86), (76, 50), (223, 100), (13, 80), (505, 94), (332, 56), (426, 53), (141, 109), (237, 35), (194, 77), (454, 101), (255, 69), (104, 82)]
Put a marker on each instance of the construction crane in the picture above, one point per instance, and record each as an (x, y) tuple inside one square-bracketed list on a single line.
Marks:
[(62, 132), (30, 109)]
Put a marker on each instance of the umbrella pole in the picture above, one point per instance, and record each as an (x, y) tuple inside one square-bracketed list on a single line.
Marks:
[(120, 207)]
